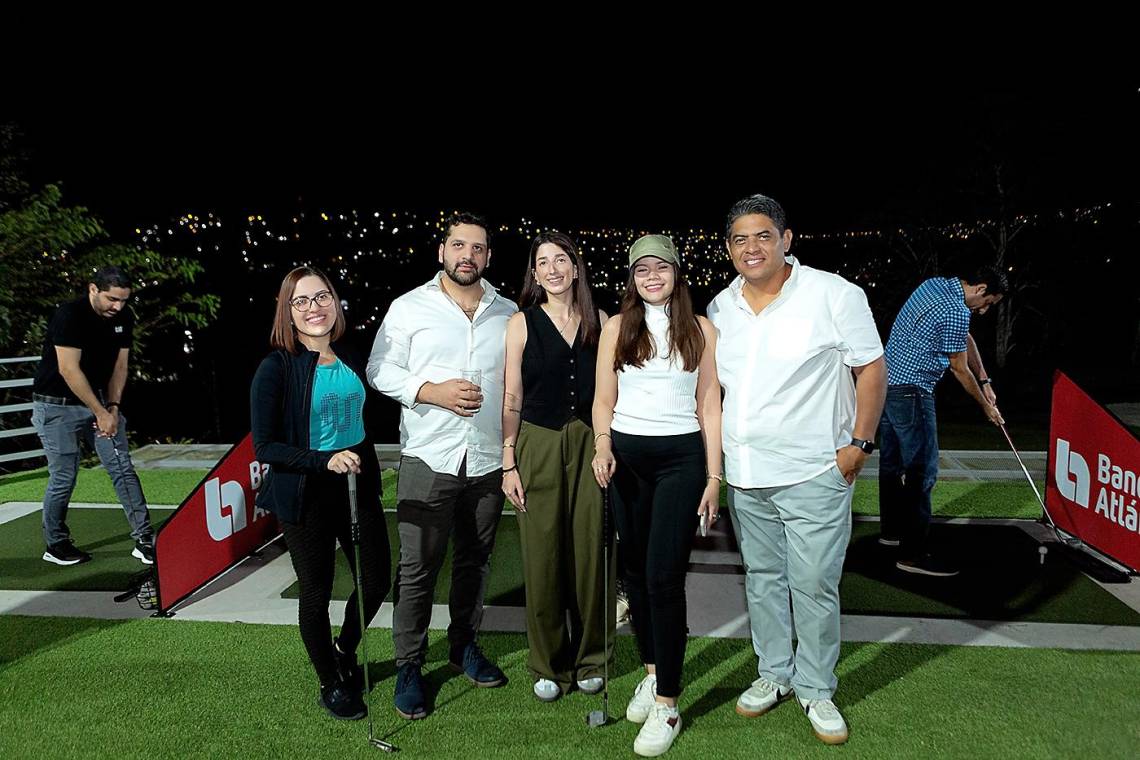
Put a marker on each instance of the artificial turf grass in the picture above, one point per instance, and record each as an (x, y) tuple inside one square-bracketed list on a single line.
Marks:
[(168, 687), (93, 485), (950, 498), (1015, 590), (102, 532), (1002, 579)]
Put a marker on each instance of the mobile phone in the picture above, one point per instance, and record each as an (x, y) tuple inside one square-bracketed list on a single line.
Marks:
[(704, 524)]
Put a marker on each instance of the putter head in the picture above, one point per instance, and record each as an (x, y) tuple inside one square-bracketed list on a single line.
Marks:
[(379, 744), (597, 718)]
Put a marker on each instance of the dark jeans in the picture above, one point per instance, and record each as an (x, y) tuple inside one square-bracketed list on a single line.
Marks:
[(908, 466), (657, 488), (431, 507)]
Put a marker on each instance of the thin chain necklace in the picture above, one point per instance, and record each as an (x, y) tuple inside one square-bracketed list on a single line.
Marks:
[(568, 321)]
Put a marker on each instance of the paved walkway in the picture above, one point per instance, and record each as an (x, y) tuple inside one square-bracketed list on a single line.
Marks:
[(251, 593)]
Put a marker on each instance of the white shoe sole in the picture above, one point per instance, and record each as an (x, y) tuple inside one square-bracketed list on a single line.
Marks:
[(49, 557), (139, 556), (830, 738), (916, 570)]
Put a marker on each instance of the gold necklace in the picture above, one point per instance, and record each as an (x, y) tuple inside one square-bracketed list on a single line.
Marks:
[(569, 319)]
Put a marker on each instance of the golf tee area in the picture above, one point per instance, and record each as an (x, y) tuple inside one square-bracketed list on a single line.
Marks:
[(1022, 655)]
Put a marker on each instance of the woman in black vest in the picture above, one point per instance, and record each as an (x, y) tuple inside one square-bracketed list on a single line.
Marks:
[(547, 447), (307, 403)]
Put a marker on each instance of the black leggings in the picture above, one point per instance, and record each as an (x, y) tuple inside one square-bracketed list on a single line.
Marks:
[(312, 548), (657, 488)]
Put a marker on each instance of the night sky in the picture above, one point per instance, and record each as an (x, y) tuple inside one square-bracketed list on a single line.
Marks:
[(857, 159), (835, 160)]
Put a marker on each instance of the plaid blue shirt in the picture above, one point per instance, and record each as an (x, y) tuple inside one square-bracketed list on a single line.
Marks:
[(932, 324)]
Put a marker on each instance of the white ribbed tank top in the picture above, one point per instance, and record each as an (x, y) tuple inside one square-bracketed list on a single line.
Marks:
[(660, 397)]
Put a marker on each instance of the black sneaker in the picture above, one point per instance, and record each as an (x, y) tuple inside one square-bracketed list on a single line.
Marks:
[(346, 667), (144, 550), (470, 661), (65, 553), (341, 702), (888, 540), (927, 565), (410, 692)]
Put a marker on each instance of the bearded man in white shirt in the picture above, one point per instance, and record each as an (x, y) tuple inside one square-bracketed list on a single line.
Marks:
[(440, 353), (802, 369)]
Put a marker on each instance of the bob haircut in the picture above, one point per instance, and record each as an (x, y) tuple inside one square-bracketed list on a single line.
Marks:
[(284, 334)]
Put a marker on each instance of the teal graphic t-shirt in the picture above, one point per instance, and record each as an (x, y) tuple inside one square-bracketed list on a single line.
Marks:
[(336, 419)]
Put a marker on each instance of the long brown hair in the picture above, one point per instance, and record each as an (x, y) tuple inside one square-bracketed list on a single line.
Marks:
[(284, 334), (635, 344), (532, 293)]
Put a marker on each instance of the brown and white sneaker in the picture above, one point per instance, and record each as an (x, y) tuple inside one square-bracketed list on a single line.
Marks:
[(826, 721), (658, 731)]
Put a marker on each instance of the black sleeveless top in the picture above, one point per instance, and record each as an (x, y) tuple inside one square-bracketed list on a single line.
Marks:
[(557, 379)]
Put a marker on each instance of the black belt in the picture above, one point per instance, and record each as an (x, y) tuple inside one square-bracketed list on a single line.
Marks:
[(60, 400)]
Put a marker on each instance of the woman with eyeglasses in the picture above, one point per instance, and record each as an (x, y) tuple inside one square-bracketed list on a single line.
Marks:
[(657, 418), (307, 403)]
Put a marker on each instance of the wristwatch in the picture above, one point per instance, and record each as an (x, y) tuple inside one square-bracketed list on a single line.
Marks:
[(865, 446)]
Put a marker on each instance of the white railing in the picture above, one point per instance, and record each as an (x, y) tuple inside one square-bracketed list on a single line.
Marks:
[(22, 382)]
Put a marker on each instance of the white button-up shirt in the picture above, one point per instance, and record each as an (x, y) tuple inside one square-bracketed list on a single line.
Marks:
[(789, 400), (426, 337)]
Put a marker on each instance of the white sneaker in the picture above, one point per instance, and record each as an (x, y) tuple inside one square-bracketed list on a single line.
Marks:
[(591, 685), (761, 697), (621, 611), (658, 732), (828, 724), (546, 690), (644, 697)]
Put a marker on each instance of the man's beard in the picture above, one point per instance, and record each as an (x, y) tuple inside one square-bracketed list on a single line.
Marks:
[(463, 278)]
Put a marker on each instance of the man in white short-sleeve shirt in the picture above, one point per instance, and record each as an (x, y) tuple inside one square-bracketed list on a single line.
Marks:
[(802, 369)]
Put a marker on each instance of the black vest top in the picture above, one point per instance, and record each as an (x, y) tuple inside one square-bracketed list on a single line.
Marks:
[(557, 379)]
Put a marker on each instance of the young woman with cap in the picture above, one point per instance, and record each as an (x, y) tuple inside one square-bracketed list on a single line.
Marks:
[(552, 346), (658, 448)]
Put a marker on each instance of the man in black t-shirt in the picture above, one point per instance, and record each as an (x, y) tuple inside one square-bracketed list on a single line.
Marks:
[(76, 397)]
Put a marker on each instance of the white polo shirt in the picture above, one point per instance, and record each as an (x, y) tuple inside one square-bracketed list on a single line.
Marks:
[(426, 337), (789, 400)]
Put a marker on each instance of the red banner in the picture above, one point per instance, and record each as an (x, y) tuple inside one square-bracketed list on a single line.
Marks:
[(1091, 487), (215, 528)]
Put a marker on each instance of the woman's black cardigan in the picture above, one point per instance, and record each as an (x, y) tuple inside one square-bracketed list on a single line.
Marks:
[(280, 400)]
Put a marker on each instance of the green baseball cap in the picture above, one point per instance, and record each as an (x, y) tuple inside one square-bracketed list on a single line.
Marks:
[(654, 245)]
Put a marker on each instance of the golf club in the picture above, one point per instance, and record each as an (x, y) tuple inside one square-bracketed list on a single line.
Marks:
[(355, 526), (601, 717), (130, 499), (1064, 541), (1024, 469)]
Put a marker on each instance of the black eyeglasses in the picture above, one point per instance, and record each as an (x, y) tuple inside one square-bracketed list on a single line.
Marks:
[(322, 299)]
